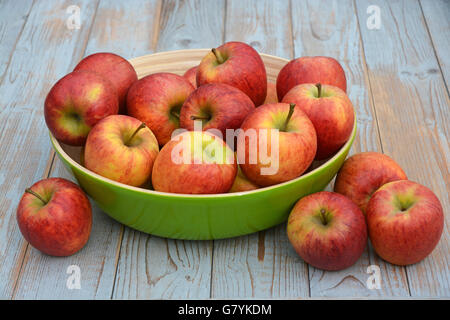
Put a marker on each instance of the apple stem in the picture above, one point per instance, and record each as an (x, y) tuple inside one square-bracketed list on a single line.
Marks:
[(28, 190), (135, 132), (175, 114), (199, 118), (291, 112), (323, 216), (319, 89), (218, 55)]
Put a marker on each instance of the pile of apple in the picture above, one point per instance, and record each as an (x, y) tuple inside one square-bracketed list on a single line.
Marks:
[(131, 129)]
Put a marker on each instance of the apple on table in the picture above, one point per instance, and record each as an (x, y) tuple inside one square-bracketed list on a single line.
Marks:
[(405, 222), (76, 103), (55, 217), (121, 148), (236, 64), (327, 230)]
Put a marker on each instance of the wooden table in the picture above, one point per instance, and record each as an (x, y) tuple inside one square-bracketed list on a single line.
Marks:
[(398, 78)]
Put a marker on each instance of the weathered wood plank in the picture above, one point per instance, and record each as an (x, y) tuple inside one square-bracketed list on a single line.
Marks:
[(13, 15), (45, 277), (41, 56), (150, 267), (437, 13), (330, 28), (412, 109), (260, 265)]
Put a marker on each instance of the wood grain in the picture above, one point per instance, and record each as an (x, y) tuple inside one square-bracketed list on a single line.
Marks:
[(412, 109), (263, 264), (39, 59), (151, 267), (437, 13), (330, 28)]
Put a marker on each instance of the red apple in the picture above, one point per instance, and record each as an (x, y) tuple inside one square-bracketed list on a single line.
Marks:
[(271, 96), (191, 75), (121, 148), (277, 143), (194, 162), (114, 68), (217, 106), (76, 103), (331, 112), (405, 222), (363, 173), (55, 217), (323, 70), (236, 64), (156, 100), (327, 230), (241, 183)]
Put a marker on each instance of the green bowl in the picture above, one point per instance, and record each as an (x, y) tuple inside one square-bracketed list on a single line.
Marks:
[(200, 217)]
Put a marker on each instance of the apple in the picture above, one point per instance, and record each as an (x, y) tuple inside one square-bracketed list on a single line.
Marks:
[(405, 222), (277, 143), (236, 64), (191, 75), (271, 96), (115, 69), (363, 173), (55, 217), (217, 106), (121, 148), (76, 103), (241, 183), (331, 112), (194, 162), (156, 100), (327, 230), (323, 70)]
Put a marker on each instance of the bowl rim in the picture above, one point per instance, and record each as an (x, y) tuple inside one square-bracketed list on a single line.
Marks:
[(58, 148)]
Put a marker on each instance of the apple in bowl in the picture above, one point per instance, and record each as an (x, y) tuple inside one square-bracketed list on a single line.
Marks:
[(113, 68), (55, 217), (121, 148), (76, 103), (156, 100), (195, 162), (405, 222), (325, 70), (277, 142), (331, 112), (191, 75), (236, 64), (327, 230)]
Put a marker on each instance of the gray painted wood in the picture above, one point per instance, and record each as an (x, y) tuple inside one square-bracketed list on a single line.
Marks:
[(42, 54), (412, 109)]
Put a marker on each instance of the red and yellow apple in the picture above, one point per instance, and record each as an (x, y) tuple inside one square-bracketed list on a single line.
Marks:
[(156, 100), (217, 106), (191, 75), (241, 183), (76, 103), (115, 69), (121, 148), (318, 69), (331, 112), (363, 173), (277, 143), (236, 64), (327, 230), (55, 217), (405, 222), (194, 162)]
